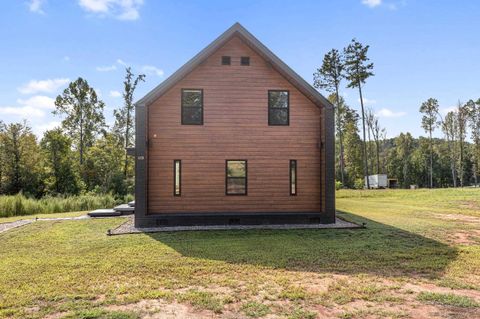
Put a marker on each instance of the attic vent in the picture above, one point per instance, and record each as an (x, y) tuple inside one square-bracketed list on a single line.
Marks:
[(245, 60), (225, 60)]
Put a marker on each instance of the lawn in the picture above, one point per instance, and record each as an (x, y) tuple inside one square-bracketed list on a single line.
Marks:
[(419, 257)]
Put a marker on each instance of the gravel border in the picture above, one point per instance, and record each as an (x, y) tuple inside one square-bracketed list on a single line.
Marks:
[(129, 228), (11, 225)]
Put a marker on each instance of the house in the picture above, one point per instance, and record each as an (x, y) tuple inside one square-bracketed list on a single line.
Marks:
[(234, 137)]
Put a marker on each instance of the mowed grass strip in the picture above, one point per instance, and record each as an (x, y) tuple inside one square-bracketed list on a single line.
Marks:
[(72, 267)]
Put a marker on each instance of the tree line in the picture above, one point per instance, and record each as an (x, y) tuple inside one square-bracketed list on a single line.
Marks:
[(82, 155), (450, 161)]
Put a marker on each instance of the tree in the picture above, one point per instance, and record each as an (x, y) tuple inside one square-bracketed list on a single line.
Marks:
[(473, 109), (2, 156), (462, 117), (449, 128), (377, 133), (23, 162), (358, 70), (353, 148), (328, 77), (124, 118), (429, 109), (61, 175), (104, 161), (83, 114)]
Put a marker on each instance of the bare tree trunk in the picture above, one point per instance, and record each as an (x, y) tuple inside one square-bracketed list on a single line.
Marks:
[(431, 160), (365, 160), (340, 138)]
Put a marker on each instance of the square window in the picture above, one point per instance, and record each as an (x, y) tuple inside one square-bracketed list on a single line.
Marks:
[(245, 60), (225, 60), (236, 177)]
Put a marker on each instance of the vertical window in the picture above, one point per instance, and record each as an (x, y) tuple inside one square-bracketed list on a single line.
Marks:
[(177, 177), (278, 107), (293, 177), (225, 60), (236, 177), (245, 60), (192, 107)]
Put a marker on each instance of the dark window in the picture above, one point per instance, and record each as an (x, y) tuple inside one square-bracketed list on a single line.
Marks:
[(293, 177), (177, 177), (192, 107), (236, 177), (278, 108), (245, 60), (225, 60)]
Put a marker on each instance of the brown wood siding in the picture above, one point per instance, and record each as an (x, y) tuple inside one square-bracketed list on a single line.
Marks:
[(235, 127)]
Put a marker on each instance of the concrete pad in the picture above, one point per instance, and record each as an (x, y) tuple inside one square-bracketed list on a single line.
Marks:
[(124, 209), (131, 204)]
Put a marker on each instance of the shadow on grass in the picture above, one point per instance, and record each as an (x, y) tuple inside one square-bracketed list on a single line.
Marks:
[(379, 249)]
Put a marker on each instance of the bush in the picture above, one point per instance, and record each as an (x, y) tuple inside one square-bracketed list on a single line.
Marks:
[(18, 205), (338, 185), (359, 183)]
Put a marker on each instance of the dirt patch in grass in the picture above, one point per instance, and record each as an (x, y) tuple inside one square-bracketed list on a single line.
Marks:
[(458, 217), (161, 309), (468, 237)]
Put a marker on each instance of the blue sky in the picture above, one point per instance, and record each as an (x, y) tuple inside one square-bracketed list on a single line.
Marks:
[(420, 49)]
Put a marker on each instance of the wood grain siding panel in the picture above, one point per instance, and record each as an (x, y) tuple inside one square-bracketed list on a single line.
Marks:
[(235, 126)]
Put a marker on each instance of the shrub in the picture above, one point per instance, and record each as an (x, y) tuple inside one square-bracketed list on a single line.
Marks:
[(338, 185), (18, 205), (359, 183)]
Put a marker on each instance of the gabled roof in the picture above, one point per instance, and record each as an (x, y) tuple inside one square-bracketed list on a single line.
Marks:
[(238, 30)]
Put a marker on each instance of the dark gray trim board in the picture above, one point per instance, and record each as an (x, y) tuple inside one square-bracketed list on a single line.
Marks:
[(201, 219), (141, 175), (329, 149)]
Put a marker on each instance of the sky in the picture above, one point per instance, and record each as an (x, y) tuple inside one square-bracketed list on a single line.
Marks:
[(420, 49)]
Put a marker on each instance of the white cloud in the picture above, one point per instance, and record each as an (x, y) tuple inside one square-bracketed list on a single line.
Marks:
[(368, 102), (120, 9), (38, 101), (372, 3), (36, 6), (150, 69), (107, 68), (384, 112), (39, 129), (48, 86), (121, 62), (24, 112), (444, 111), (115, 94)]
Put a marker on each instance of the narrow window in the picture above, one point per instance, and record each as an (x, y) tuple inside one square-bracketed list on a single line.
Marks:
[(236, 177), (278, 107), (192, 107), (245, 60), (293, 177), (225, 60), (177, 177)]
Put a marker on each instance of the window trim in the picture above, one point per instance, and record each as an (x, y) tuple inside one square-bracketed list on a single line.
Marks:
[(294, 193), (182, 106), (247, 59), (226, 57), (179, 178), (226, 177), (278, 108)]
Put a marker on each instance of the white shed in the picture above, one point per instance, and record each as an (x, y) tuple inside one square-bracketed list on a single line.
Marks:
[(377, 181)]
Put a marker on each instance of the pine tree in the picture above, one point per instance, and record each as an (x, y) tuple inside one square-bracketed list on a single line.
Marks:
[(358, 70), (430, 110), (328, 77)]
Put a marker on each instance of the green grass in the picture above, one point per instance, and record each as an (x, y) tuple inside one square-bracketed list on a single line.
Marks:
[(255, 309), (19, 205), (448, 299), (72, 267), (52, 215)]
